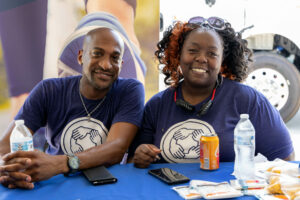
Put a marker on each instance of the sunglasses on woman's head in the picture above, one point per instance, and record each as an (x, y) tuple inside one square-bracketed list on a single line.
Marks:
[(214, 22)]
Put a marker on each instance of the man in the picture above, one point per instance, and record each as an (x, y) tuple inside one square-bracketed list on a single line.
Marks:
[(80, 113)]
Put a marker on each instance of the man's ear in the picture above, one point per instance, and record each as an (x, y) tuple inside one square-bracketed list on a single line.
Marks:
[(121, 64), (79, 57)]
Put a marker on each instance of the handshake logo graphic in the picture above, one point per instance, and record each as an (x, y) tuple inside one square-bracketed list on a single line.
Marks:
[(81, 134)]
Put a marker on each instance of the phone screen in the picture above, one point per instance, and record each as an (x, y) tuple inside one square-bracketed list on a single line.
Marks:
[(169, 176)]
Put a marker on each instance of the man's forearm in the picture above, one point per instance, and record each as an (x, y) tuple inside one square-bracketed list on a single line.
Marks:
[(4, 146), (4, 149), (107, 154), (112, 151), (4, 141)]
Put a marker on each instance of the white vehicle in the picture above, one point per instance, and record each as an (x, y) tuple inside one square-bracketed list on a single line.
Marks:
[(272, 31)]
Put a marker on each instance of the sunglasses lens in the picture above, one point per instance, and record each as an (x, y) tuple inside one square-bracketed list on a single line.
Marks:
[(197, 20), (216, 22), (213, 22)]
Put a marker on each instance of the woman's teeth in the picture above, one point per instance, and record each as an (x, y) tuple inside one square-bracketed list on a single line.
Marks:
[(199, 70)]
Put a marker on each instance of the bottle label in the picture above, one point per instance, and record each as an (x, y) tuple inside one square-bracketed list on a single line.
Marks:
[(22, 146), (245, 140)]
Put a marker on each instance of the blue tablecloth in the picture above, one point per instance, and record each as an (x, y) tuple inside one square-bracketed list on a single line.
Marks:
[(133, 183)]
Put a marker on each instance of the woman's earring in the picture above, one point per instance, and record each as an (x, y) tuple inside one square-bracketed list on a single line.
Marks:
[(179, 70)]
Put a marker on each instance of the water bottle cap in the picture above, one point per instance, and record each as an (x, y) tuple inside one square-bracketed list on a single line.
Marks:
[(245, 116), (19, 122)]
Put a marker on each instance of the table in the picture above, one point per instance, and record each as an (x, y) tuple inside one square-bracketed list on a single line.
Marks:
[(133, 183)]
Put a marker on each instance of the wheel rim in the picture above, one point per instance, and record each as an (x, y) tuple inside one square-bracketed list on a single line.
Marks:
[(271, 84)]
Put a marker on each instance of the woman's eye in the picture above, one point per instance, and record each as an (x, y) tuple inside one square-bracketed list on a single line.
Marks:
[(212, 54), (193, 50)]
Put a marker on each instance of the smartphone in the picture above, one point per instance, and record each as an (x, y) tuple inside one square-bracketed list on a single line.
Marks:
[(99, 175), (169, 176)]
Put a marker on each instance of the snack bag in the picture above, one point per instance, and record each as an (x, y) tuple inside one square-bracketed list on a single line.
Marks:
[(279, 166), (186, 192), (212, 190), (274, 186), (285, 185), (271, 197), (248, 184), (291, 190)]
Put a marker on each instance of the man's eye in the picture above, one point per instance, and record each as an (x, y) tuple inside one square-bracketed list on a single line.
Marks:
[(116, 58), (96, 53)]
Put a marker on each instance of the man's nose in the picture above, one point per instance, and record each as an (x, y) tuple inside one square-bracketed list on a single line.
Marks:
[(105, 64)]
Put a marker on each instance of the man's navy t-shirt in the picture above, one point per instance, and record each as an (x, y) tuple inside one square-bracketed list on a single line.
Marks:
[(55, 103)]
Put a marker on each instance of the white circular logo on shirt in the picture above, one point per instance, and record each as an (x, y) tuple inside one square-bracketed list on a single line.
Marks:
[(81, 134), (181, 142)]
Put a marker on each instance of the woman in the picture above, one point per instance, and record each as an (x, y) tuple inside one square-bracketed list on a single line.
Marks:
[(205, 61)]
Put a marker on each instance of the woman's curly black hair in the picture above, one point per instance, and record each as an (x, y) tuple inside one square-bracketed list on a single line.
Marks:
[(236, 54)]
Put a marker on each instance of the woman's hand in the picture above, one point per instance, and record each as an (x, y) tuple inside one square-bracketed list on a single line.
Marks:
[(145, 154)]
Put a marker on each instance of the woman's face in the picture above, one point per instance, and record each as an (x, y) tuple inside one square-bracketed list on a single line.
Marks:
[(201, 58)]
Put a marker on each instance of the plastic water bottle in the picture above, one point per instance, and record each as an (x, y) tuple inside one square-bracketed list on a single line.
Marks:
[(21, 138), (244, 148)]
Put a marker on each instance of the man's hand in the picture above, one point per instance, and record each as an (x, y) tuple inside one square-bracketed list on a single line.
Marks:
[(12, 177), (145, 154), (23, 181), (30, 166)]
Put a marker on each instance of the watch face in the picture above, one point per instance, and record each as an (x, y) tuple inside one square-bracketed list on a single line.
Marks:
[(74, 162)]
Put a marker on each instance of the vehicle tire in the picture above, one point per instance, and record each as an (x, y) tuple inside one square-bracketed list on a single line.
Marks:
[(278, 79)]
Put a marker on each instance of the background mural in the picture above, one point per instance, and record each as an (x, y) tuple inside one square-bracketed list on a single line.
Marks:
[(146, 27)]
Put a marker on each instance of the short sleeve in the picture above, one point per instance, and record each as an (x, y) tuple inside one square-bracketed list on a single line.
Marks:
[(33, 111), (272, 136), (157, 111), (130, 108), (146, 133)]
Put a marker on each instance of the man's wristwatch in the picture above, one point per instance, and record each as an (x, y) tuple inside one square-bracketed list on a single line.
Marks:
[(73, 164)]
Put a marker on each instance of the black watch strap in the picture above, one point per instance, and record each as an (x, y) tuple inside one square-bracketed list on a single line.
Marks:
[(73, 164)]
